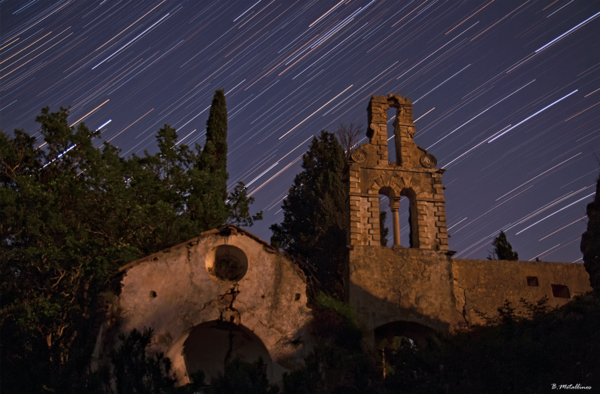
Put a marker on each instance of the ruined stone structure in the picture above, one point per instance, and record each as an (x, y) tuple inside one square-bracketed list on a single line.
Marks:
[(227, 294), (208, 300), (416, 290)]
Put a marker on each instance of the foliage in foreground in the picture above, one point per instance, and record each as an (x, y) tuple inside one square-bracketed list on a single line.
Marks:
[(511, 353), (135, 371), (338, 363), (73, 214)]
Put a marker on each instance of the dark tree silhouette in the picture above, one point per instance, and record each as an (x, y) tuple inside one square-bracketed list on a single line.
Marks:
[(214, 155), (349, 136), (314, 224), (502, 249), (590, 241)]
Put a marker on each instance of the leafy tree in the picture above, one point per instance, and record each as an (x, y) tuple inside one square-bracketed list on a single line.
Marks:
[(502, 249), (71, 216), (590, 241), (135, 371), (314, 224), (515, 351)]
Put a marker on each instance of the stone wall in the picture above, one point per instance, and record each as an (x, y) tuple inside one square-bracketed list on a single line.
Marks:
[(430, 288), (483, 285), (401, 284)]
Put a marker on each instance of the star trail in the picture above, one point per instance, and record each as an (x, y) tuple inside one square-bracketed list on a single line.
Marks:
[(505, 94)]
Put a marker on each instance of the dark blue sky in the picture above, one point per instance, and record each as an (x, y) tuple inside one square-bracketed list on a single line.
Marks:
[(505, 93)]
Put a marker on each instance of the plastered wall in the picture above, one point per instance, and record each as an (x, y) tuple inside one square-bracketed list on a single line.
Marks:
[(176, 290)]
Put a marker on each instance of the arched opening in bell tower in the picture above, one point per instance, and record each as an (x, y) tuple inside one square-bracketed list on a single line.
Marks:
[(408, 220), (401, 211), (391, 117), (385, 221), (390, 207)]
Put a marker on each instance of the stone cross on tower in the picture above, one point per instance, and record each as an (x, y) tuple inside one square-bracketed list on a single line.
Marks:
[(413, 176)]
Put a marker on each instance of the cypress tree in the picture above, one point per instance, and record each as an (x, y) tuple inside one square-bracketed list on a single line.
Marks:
[(214, 155), (502, 249), (314, 224)]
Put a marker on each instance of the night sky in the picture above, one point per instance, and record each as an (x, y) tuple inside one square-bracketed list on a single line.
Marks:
[(506, 93)]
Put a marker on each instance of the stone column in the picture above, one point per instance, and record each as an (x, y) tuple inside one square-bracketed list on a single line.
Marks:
[(396, 224), (395, 206)]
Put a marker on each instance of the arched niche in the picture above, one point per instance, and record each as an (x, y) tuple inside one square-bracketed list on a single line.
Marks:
[(394, 195), (209, 346)]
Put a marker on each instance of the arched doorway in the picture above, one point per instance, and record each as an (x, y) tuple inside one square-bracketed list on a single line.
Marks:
[(417, 333), (212, 344), (396, 343)]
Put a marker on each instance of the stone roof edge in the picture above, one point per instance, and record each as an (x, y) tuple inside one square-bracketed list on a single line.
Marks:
[(214, 231), (539, 263), (250, 235)]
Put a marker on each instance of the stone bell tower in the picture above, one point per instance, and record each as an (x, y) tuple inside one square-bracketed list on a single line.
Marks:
[(414, 290), (413, 176)]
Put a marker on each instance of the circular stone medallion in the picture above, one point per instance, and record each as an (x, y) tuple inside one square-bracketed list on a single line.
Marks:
[(359, 156), (428, 160)]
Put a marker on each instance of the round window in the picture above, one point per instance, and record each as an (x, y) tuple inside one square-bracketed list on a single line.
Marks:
[(227, 263), (229, 268)]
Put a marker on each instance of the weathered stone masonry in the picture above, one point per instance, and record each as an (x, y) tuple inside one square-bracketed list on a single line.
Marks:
[(412, 175), (404, 288), (204, 313)]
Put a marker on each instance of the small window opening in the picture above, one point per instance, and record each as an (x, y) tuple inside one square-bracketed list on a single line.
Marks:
[(391, 117), (297, 297), (560, 291), (153, 294), (532, 281)]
